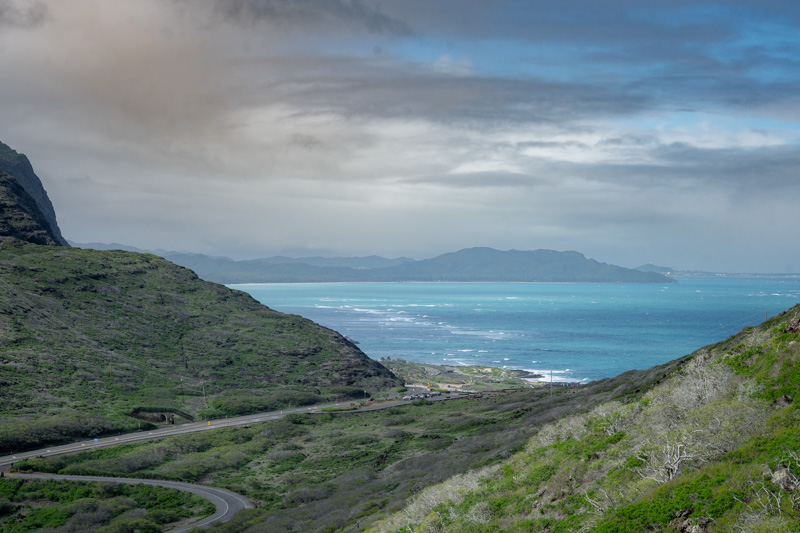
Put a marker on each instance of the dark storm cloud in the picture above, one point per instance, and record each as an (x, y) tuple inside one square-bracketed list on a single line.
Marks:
[(671, 50), (661, 53), (768, 170), (23, 15), (726, 89), (355, 87), (354, 13), (659, 24)]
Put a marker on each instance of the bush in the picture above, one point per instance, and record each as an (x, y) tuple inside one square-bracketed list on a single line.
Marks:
[(347, 392), (307, 494), (131, 525), (298, 418), (16, 435), (164, 516), (6, 507), (242, 404)]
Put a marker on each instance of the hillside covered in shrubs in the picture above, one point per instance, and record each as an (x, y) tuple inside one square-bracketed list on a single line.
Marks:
[(88, 336), (713, 447), (705, 443)]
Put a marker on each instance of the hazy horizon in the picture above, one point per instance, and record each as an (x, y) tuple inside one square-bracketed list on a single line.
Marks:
[(330, 255), (663, 132)]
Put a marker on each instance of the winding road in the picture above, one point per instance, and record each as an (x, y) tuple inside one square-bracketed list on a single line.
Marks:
[(227, 503)]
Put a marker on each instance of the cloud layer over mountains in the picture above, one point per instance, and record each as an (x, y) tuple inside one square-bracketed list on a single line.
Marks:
[(630, 131)]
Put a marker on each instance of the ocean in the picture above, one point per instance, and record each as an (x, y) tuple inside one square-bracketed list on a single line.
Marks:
[(579, 332)]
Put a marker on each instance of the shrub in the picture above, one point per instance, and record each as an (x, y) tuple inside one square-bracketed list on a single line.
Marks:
[(6, 507), (131, 525), (164, 516)]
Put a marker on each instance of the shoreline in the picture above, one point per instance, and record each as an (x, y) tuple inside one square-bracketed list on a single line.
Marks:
[(476, 377)]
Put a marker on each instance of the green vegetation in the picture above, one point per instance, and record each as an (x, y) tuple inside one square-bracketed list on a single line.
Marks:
[(343, 470), (706, 443), (713, 447), (34, 505), (88, 336)]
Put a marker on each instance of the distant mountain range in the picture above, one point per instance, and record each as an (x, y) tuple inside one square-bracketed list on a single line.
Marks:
[(468, 265)]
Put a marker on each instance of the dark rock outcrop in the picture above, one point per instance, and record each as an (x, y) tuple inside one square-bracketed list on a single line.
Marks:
[(18, 166), (20, 216)]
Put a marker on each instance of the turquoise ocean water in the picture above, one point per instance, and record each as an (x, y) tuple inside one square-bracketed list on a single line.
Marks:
[(580, 332)]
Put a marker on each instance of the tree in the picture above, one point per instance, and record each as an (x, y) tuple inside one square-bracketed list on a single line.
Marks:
[(696, 416)]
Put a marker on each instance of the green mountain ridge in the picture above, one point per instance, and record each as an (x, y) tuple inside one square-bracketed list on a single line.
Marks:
[(88, 338), (99, 333)]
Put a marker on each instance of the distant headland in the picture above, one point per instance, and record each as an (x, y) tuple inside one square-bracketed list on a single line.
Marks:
[(467, 265)]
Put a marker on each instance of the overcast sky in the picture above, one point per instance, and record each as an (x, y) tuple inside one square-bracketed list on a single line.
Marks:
[(631, 131)]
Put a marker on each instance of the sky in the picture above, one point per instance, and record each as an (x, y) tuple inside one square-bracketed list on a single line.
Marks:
[(632, 131)]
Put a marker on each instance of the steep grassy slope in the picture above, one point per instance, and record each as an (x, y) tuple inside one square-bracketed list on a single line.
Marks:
[(86, 336), (713, 448)]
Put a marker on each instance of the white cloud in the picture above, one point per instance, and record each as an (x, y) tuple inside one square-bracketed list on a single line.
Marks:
[(249, 127)]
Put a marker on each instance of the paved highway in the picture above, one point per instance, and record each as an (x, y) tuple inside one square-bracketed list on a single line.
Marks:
[(181, 429), (227, 503)]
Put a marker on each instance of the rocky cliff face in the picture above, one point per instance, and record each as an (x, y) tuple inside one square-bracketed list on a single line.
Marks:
[(20, 216), (18, 166)]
